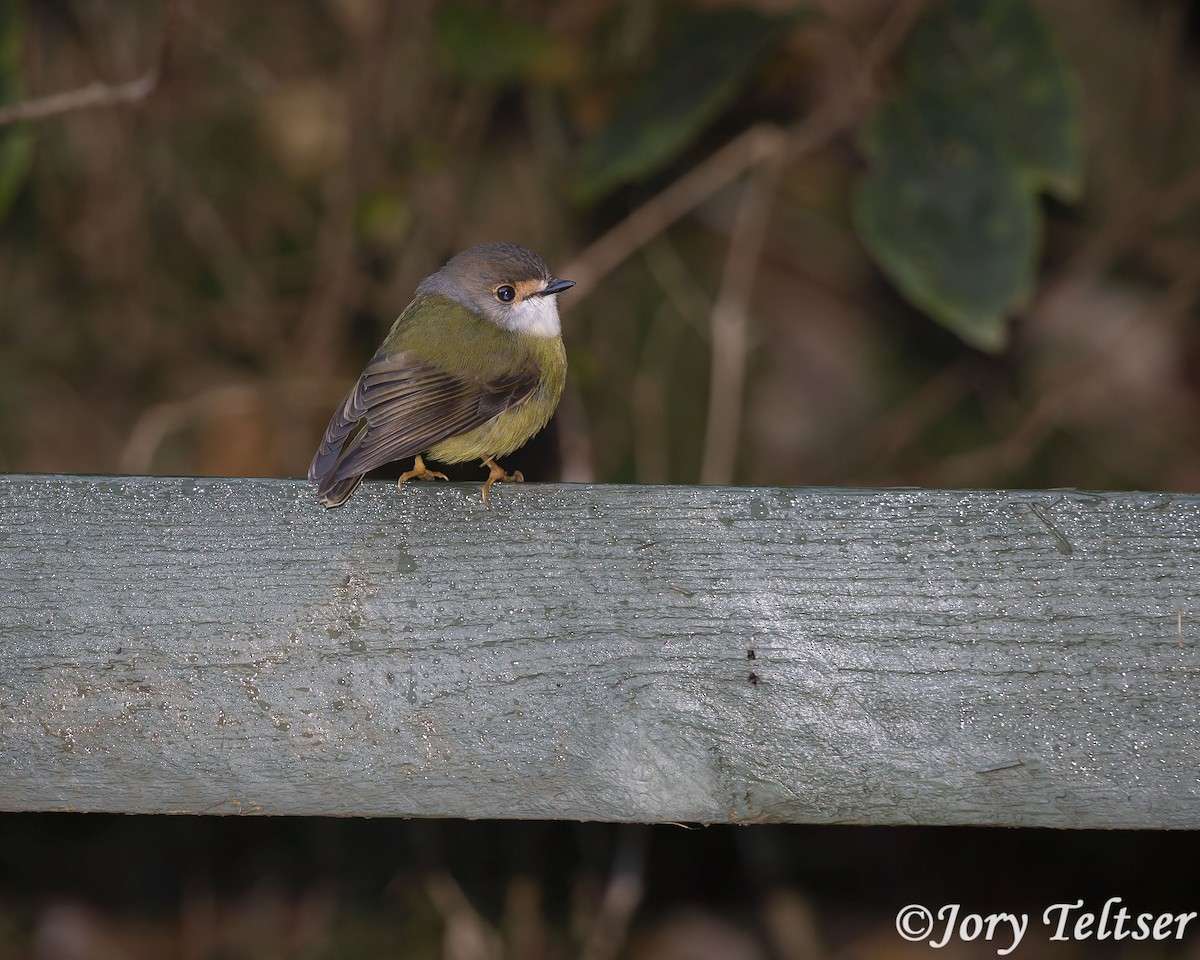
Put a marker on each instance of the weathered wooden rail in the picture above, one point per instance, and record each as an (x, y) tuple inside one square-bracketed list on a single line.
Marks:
[(600, 652)]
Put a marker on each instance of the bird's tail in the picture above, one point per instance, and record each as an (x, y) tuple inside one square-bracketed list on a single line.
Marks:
[(332, 488), (337, 492)]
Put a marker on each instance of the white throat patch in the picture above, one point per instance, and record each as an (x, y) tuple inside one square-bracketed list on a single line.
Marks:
[(536, 316)]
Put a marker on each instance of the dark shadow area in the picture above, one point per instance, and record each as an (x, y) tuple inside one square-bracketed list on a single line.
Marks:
[(364, 881)]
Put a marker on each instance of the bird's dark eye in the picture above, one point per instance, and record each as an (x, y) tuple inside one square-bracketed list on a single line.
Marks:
[(505, 292)]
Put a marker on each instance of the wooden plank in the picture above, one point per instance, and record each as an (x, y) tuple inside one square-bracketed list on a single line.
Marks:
[(600, 652)]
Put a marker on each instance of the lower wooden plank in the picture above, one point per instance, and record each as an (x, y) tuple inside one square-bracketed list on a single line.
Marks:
[(600, 652)]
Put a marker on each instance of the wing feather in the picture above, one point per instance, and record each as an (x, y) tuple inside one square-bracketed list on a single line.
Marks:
[(400, 407)]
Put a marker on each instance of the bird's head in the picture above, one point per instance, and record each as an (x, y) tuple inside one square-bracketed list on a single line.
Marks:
[(508, 284)]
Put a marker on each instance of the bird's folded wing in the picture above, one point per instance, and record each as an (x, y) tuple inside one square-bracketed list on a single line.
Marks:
[(401, 407)]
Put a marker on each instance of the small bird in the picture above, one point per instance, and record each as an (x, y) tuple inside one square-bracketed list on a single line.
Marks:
[(471, 369)]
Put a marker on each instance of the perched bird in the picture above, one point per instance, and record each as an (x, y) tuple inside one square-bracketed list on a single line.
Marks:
[(471, 369)]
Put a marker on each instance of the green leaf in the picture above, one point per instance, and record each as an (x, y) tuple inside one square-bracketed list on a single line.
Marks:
[(986, 117), (996, 60), (486, 45), (947, 217), (16, 141), (699, 72)]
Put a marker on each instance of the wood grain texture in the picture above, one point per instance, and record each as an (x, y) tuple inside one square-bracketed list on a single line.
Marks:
[(584, 652)]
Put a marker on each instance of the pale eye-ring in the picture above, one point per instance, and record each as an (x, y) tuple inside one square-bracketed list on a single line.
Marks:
[(505, 292)]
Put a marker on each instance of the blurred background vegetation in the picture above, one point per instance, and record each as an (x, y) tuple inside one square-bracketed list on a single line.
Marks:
[(842, 242), (858, 242)]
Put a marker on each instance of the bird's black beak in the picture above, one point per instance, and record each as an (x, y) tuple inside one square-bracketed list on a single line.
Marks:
[(556, 286)]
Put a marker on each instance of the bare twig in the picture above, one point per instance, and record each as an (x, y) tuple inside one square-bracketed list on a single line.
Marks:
[(524, 923), (790, 924), (324, 321), (1076, 389), (574, 438), (93, 95), (744, 152), (299, 396), (621, 897), (685, 293), (249, 316), (467, 935), (687, 305), (648, 400), (880, 443), (730, 321), (101, 94), (836, 113), (762, 146), (252, 73), (655, 215)]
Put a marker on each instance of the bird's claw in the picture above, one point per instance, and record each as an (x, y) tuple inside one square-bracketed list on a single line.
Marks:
[(498, 475), (419, 472)]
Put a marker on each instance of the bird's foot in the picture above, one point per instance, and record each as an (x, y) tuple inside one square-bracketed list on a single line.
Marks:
[(419, 472), (498, 475)]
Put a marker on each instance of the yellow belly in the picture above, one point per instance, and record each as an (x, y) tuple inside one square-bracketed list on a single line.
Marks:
[(511, 429)]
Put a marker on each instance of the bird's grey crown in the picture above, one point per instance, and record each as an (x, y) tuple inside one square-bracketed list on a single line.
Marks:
[(484, 266)]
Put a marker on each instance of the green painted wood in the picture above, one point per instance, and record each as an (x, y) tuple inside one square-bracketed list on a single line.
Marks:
[(600, 652)]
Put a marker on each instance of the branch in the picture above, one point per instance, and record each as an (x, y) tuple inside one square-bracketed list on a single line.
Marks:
[(467, 936), (626, 886), (680, 198), (730, 320), (100, 94), (839, 111)]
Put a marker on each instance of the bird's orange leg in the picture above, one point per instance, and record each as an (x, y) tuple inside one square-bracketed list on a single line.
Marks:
[(419, 472), (498, 475)]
